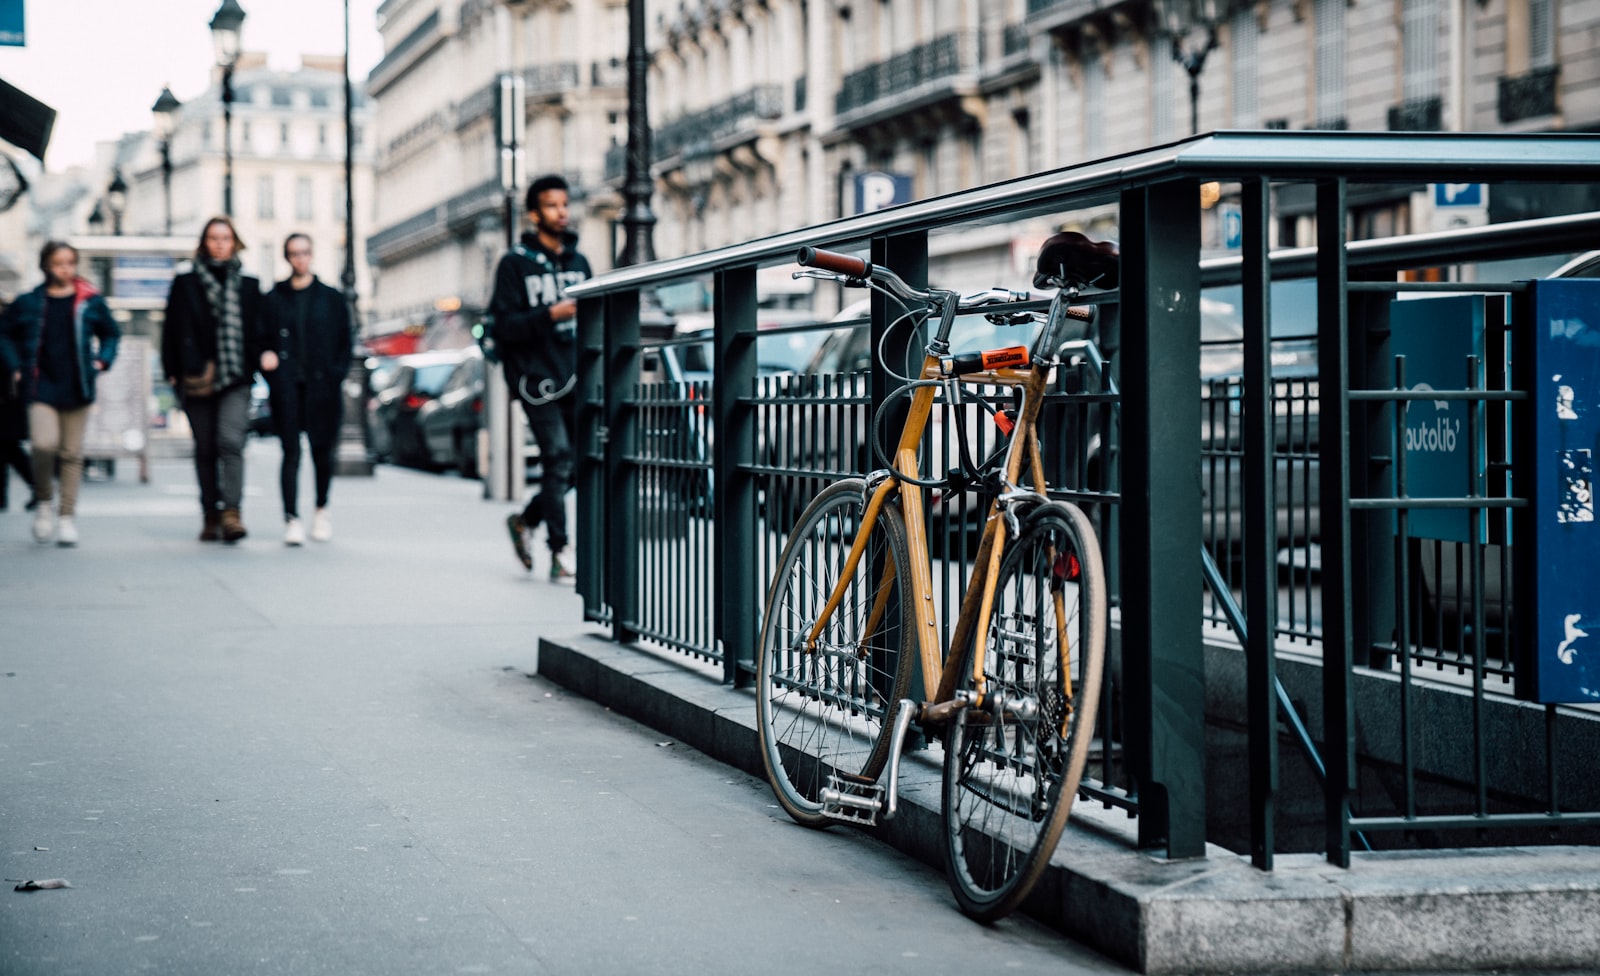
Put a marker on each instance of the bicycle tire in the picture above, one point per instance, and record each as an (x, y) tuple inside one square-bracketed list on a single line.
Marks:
[(830, 710), (1009, 785)]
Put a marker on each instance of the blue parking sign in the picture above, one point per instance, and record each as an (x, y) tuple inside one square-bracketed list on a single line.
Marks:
[(1458, 194)]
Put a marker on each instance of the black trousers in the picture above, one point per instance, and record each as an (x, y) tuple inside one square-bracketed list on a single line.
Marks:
[(12, 455), (552, 425), (290, 420)]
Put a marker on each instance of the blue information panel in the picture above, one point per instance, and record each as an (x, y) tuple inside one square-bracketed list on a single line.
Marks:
[(1436, 335), (142, 276), (12, 24), (1566, 397)]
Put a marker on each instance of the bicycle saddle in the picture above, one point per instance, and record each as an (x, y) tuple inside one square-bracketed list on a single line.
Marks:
[(1069, 258)]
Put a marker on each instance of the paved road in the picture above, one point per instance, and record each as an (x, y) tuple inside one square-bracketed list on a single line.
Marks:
[(338, 760)]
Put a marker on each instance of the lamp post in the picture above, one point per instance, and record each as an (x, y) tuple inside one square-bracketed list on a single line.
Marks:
[(97, 220), (352, 456), (226, 26), (638, 221), (117, 200), (1180, 18), (166, 115)]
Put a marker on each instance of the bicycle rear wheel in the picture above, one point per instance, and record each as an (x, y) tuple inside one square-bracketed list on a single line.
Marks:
[(828, 710), (1012, 762)]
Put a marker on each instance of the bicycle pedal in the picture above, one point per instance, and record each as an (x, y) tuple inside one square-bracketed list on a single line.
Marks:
[(852, 800)]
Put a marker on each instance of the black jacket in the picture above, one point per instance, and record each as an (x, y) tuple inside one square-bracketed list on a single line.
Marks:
[(22, 324), (325, 348), (189, 333), (539, 354)]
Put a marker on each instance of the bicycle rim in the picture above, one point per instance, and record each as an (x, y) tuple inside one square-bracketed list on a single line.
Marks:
[(1011, 774), (827, 711)]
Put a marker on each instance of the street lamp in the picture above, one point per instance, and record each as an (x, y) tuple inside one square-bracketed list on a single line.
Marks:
[(1180, 18), (226, 25), (117, 200), (166, 114), (352, 452), (638, 220), (97, 220)]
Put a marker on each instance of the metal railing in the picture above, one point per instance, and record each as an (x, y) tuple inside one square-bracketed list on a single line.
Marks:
[(1411, 734)]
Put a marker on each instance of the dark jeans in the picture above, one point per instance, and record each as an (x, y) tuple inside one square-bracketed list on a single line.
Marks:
[(290, 418), (219, 430), (12, 455), (552, 426)]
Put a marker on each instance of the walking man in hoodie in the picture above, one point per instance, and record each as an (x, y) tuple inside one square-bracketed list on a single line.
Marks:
[(535, 336)]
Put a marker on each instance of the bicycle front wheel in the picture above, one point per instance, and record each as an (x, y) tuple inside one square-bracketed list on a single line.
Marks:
[(825, 711), (1013, 760)]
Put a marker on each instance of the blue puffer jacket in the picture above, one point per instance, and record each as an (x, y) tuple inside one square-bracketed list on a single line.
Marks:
[(22, 325)]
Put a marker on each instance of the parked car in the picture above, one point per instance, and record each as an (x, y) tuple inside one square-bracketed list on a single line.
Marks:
[(392, 413), (448, 424)]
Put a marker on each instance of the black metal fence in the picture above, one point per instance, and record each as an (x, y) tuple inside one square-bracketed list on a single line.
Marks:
[(1399, 695)]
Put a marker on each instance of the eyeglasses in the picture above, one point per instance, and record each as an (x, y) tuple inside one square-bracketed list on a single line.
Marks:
[(300, 254)]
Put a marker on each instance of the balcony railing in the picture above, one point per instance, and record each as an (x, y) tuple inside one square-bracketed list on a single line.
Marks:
[(1528, 96), (1417, 115), (551, 79), (939, 60), (709, 126)]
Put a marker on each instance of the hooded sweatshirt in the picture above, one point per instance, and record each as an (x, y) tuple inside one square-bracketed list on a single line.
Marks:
[(539, 354)]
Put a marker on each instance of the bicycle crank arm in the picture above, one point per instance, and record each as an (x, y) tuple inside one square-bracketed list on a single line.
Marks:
[(903, 718)]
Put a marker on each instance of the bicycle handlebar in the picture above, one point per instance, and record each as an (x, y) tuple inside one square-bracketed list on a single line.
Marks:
[(845, 264)]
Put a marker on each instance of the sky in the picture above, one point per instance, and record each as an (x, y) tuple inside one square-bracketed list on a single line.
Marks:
[(101, 63)]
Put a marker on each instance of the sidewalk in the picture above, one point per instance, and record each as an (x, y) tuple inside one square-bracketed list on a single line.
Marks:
[(1447, 910)]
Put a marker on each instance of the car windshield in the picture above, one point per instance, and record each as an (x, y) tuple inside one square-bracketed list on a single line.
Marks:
[(431, 379), (786, 352)]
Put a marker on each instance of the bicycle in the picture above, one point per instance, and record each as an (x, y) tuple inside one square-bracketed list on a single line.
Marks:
[(850, 612)]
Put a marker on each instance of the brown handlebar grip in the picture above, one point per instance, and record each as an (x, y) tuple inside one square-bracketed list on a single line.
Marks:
[(811, 257)]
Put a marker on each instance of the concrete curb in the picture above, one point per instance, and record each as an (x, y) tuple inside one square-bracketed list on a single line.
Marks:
[(1434, 910)]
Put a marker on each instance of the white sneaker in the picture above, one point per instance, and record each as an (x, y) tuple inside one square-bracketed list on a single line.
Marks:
[(321, 525), (66, 532), (294, 534), (44, 523)]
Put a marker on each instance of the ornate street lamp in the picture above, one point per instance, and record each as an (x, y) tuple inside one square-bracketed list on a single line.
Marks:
[(166, 115), (352, 452), (117, 200), (97, 220), (1179, 19), (226, 26), (638, 221)]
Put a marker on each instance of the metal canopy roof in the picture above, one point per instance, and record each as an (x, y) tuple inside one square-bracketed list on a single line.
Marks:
[(1361, 157)]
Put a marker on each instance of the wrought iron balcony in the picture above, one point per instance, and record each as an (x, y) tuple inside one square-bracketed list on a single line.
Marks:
[(545, 80), (1528, 96), (1014, 41), (737, 115), (1417, 115), (925, 69)]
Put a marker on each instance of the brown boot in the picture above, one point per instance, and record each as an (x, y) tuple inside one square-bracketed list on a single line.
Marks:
[(232, 527), (212, 530)]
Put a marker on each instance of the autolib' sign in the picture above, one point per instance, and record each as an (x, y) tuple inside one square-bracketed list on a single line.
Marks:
[(1436, 335), (13, 26)]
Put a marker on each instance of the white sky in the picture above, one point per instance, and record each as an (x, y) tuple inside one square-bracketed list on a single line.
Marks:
[(101, 63)]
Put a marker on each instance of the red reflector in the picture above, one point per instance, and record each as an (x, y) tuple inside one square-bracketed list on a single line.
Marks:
[(414, 401), (1067, 567), (477, 406)]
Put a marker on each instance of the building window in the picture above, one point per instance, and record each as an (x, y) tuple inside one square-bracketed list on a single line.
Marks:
[(319, 98), (244, 133), (302, 199), (322, 135), (1163, 127), (338, 201), (281, 98), (283, 134), (1329, 54), (1419, 51), (1094, 113), (264, 202), (1244, 33), (1541, 33)]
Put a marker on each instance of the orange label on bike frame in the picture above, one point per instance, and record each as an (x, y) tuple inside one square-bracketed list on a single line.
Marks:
[(1010, 357)]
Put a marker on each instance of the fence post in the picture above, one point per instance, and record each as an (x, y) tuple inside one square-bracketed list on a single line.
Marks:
[(735, 610), (1163, 663), (589, 472), (621, 475), (1261, 528), (1333, 386)]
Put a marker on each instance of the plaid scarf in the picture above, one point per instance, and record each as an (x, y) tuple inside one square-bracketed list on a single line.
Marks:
[(224, 299)]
